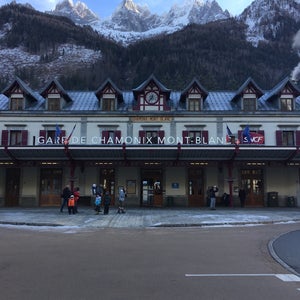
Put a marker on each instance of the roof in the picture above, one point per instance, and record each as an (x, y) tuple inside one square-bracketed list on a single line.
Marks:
[(60, 88), (215, 101), (144, 153)]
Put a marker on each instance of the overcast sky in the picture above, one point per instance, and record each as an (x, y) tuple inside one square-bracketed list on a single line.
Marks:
[(104, 8)]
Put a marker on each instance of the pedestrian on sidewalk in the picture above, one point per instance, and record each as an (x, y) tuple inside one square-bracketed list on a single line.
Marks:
[(71, 205), (66, 193), (212, 195), (122, 196), (97, 204), (107, 200)]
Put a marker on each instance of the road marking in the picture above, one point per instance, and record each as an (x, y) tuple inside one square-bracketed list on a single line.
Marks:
[(283, 277)]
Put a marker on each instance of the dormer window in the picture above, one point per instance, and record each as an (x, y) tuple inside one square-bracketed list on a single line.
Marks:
[(286, 104), (249, 103), (16, 103), (108, 102), (194, 103), (54, 104)]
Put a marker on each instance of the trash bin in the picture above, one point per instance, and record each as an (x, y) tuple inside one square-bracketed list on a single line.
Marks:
[(272, 199), (290, 202)]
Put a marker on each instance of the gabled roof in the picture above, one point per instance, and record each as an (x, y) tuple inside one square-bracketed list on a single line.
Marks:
[(106, 83), (193, 83), (152, 78), (248, 83), (60, 88), (278, 89), (28, 92)]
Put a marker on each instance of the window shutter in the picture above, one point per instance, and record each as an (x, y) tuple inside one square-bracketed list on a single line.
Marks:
[(297, 137), (161, 135), (117, 136), (62, 135), (24, 141), (279, 137), (185, 134), (205, 136), (4, 138), (104, 137), (240, 136), (142, 136)]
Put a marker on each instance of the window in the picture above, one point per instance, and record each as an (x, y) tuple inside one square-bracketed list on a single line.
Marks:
[(111, 137), (108, 104), (54, 104), (193, 104), (152, 137), (195, 137), (16, 103), (15, 138), (249, 104), (288, 138), (286, 104)]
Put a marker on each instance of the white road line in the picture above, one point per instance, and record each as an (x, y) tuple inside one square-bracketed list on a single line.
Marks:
[(283, 277)]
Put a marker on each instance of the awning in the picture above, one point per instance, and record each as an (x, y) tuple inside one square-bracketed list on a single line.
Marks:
[(149, 153)]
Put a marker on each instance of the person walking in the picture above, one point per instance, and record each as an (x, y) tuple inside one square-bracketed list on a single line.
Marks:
[(97, 204), (107, 200), (71, 205), (242, 196), (212, 195), (122, 196), (66, 193)]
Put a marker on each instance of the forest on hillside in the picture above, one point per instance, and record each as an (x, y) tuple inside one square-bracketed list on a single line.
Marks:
[(217, 54)]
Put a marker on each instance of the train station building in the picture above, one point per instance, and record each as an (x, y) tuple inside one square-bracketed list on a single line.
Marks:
[(164, 147)]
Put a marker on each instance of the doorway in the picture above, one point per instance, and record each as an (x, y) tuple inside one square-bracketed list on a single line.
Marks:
[(151, 188), (12, 187), (107, 182), (50, 187), (196, 195), (252, 182)]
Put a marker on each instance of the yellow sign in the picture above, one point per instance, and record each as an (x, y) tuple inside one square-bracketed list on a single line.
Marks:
[(151, 119)]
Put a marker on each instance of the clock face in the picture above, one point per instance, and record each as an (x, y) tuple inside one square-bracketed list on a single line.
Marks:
[(151, 97)]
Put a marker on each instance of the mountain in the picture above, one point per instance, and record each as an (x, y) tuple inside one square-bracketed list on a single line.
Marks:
[(78, 13), (38, 46), (131, 22), (266, 19)]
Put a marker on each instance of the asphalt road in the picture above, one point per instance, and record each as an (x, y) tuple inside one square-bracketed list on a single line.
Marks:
[(152, 263)]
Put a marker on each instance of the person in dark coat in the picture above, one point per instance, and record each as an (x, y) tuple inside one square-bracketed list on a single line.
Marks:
[(66, 193), (107, 200), (242, 196)]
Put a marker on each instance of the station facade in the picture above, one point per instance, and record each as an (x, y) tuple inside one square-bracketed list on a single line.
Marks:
[(164, 147)]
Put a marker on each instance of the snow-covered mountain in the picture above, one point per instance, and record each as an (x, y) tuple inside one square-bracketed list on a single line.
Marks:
[(78, 13), (131, 22)]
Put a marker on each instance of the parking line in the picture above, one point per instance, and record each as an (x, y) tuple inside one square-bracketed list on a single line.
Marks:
[(283, 277)]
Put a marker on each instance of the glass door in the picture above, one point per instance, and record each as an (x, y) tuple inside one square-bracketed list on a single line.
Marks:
[(50, 187), (252, 182), (196, 196), (151, 188)]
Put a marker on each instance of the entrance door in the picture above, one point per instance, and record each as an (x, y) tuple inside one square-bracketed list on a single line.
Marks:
[(196, 195), (151, 188), (107, 181), (252, 182), (50, 187), (12, 188)]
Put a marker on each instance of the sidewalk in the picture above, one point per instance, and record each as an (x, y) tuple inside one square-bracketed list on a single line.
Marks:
[(148, 217)]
